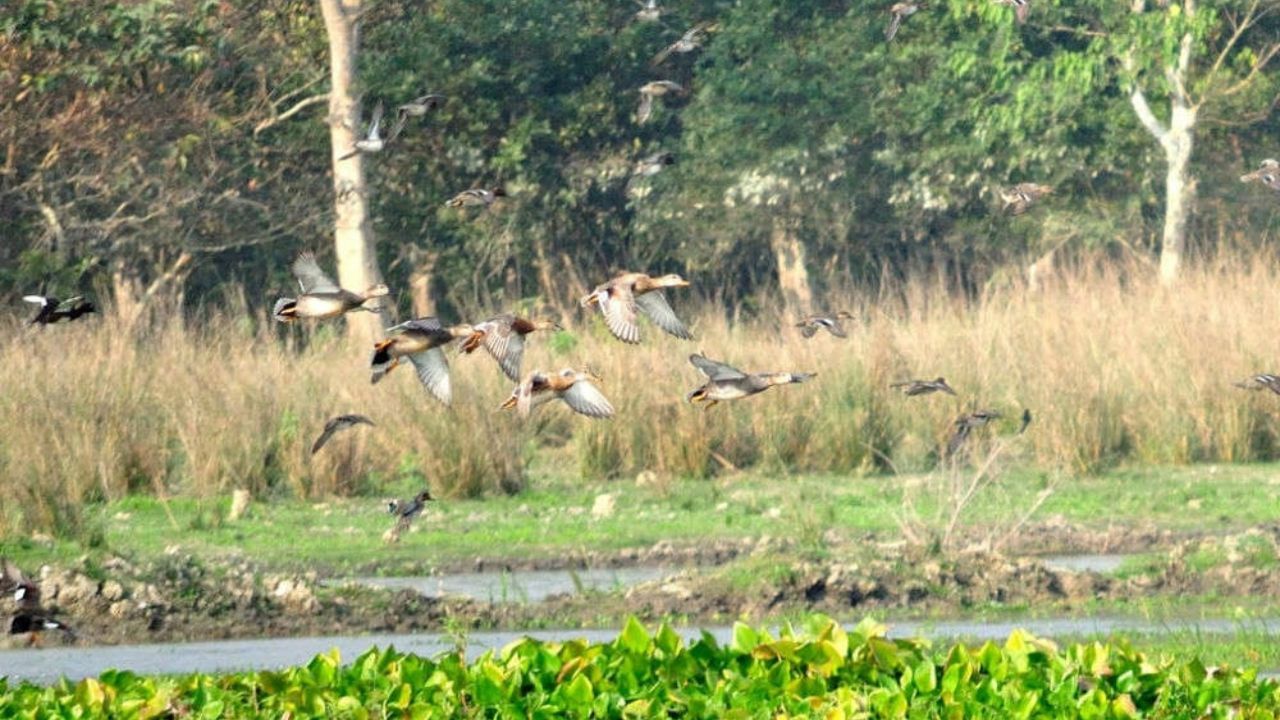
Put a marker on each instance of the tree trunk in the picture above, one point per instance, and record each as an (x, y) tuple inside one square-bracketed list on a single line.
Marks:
[(1180, 190), (420, 287), (353, 236), (793, 278)]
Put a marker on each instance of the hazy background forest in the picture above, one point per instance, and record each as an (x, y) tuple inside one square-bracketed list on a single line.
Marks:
[(166, 155), (146, 149)]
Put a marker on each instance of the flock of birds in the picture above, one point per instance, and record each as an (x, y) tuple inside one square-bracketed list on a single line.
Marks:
[(621, 300)]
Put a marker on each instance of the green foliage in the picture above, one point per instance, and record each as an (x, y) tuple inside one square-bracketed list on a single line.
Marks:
[(816, 670)]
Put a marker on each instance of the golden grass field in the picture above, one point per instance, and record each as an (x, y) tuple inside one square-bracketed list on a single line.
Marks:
[(1114, 368)]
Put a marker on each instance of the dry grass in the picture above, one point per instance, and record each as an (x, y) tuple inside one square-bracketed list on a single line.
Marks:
[(1114, 369)]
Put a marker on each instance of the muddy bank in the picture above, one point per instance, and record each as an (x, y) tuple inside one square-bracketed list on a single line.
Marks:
[(179, 597)]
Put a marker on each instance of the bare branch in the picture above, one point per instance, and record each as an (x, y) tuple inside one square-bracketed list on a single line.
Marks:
[(1238, 30), (1263, 59), (297, 108), (1146, 117)]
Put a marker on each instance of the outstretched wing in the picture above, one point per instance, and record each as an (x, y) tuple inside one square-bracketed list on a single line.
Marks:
[(311, 277), (506, 347), (433, 371), (892, 30), (654, 305), (715, 370), (586, 399), (645, 111), (619, 307), (330, 428), (375, 125), (426, 325), (835, 327), (526, 390)]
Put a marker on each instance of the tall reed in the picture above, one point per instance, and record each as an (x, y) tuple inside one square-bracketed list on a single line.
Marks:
[(1113, 367)]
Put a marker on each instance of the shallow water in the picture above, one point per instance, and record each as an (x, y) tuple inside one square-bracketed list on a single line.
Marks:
[(1100, 563), (48, 664), (520, 586)]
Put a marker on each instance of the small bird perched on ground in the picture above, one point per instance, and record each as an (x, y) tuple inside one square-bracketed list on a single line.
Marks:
[(651, 90), (654, 164), (53, 310), (321, 297), (503, 336), (1268, 174), (373, 141), (421, 341), (476, 197), (900, 11), (338, 424), (406, 510), (911, 388), (575, 387), (690, 41), (964, 427), (810, 325), (1019, 198), (1026, 420), (725, 382), (1021, 8), (1261, 381), (622, 297)]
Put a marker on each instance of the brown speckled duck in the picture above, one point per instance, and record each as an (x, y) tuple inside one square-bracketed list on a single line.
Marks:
[(503, 336), (421, 341), (810, 325), (577, 388), (725, 382), (321, 297), (623, 297)]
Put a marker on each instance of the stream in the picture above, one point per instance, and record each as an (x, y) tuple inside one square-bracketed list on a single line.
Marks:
[(46, 665)]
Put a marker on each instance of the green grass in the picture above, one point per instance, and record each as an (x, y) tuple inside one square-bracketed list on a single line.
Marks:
[(553, 517)]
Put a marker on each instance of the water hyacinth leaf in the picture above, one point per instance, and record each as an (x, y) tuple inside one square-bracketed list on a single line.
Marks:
[(634, 637), (668, 640), (926, 677), (745, 638)]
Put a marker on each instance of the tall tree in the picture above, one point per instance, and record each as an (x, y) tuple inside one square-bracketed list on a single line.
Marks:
[(1203, 56), (353, 237)]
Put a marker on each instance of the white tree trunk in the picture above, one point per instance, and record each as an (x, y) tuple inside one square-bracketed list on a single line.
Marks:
[(353, 236), (793, 277), (1180, 190)]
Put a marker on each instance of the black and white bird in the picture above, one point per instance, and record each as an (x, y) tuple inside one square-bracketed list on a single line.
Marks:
[(900, 11), (1021, 8), (373, 141), (911, 388), (476, 197), (690, 41), (336, 425), (810, 325), (1268, 174), (30, 619), (653, 164), (53, 310), (1019, 198), (651, 90), (966, 424), (420, 106), (1261, 381), (649, 10), (406, 510)]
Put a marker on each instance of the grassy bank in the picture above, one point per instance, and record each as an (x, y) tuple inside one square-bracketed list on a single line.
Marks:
[(1114, 369), (814, 670), (553, 518)]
